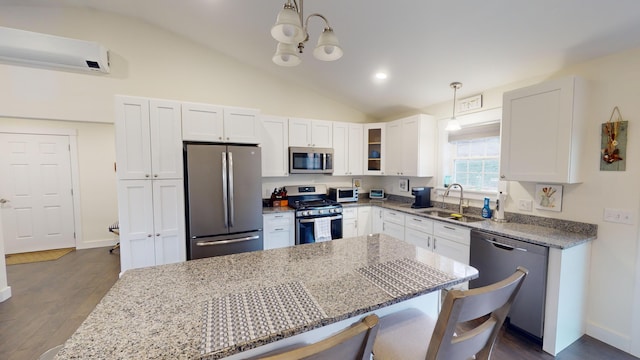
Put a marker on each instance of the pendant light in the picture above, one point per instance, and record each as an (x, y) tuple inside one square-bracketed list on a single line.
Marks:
[(453, 124), (290, 33)]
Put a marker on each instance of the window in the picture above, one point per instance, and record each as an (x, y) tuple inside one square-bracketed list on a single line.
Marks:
[(471, 155), (476, 163)]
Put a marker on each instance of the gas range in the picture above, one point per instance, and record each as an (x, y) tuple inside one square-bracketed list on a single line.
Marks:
[(311, 200), (316, 207)]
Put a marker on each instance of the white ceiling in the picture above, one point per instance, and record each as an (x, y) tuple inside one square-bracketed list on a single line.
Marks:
[(423, 44)]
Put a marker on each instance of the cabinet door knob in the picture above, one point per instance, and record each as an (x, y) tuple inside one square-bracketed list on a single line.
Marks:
[(158, 234), (146, 175), (502, 176), (149, 235), (220, 138), (155, 175)]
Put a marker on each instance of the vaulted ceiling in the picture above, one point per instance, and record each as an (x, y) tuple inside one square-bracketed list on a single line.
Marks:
[(423, 45)]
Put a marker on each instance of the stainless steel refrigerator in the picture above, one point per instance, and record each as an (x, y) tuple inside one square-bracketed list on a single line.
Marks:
[(223, 199)]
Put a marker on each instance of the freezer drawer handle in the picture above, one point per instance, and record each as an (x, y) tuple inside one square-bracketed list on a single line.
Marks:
[(314, 220), (503, 246), (224, 190), (210, 243)]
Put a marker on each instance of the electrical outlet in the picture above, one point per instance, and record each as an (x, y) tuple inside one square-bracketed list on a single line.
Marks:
[(525, 205)]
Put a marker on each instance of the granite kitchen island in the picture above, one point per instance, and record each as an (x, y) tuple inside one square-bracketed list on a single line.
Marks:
[(245, 304)]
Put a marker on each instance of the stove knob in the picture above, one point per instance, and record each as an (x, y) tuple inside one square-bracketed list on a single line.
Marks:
[(305, 213), (320, 211), (332, 210)]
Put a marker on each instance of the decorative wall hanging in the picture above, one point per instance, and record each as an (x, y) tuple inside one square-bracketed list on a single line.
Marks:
[(613, 147), (548, 197)]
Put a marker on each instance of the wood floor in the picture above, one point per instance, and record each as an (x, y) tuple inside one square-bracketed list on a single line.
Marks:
[(50, 300)]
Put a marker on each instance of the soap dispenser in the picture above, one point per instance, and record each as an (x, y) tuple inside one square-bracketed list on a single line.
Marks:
[(486, 210)]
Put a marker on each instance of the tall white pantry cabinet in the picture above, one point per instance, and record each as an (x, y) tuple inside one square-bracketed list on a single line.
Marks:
[(150, 182)]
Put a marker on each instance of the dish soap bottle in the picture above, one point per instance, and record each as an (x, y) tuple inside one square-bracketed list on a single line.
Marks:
[(486, 210)]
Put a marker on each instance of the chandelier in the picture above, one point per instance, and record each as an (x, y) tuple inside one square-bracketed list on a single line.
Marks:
[(290, 34)]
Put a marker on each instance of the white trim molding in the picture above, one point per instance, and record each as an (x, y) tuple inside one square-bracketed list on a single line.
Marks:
[(73, 160)]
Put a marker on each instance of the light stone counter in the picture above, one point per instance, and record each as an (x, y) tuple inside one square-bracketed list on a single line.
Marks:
[(157, 312), (554, 233)]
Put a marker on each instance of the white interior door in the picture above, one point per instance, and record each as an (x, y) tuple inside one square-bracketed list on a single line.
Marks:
[(35, 177)]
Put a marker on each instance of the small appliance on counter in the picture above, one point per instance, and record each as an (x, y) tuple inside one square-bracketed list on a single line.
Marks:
[(343, 194), (422, 197), (376, 194)]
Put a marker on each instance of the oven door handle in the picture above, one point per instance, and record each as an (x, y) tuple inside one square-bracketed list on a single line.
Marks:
[(304, 221)]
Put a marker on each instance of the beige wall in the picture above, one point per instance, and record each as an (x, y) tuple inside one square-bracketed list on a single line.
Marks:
[(613, 81)]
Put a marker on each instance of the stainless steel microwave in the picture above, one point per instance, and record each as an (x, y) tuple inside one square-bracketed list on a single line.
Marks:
[(343, 194), (306, 160)]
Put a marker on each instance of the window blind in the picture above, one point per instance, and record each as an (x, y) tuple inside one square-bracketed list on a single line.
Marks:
[(475, 132)]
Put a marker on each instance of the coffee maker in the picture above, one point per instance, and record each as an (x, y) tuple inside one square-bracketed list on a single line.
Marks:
[(423, 197)]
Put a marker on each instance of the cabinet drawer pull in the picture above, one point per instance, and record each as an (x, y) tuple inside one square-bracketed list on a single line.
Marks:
[(450, 228), (278, 229)]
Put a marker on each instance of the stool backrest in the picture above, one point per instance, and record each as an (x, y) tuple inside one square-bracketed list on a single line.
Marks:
[(491, 301)]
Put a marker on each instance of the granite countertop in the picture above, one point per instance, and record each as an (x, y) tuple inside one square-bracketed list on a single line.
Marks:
[(162, 312), (549, 232)]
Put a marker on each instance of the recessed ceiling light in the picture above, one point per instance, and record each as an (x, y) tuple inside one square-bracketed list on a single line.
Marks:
[(381, 75)]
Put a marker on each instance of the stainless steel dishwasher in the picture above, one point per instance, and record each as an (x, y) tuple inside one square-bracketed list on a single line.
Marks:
[(496, 257)]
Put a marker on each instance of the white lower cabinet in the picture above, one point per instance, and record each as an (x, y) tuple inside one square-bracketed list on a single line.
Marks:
[(364, 220), (152, 222), (278, 230), (452, 241), (376, 219), (393, 223), (349, 222), (419, 231)]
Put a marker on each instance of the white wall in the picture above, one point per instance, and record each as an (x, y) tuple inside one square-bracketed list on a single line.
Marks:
[(145, 61), (613, 81)]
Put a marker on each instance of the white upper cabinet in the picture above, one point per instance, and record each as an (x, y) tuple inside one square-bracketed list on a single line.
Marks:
[(411, 146), (202, 122), (213, 123), (275, 146), (148, 139), (374, 148), (347, 148), (543, 132), (241, 125), (310, 133)]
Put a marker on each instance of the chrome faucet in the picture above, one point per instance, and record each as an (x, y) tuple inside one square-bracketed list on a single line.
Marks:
[(446, 193)]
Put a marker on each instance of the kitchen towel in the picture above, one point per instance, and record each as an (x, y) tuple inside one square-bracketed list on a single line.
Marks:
[(322, 229)]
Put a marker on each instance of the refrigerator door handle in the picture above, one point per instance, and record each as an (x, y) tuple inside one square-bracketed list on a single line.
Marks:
[(231, 241), (231, 201), (225, 200)]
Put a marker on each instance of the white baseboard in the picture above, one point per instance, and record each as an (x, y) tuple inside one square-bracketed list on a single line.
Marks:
[(610, 337), (96, 244), (5, 293)]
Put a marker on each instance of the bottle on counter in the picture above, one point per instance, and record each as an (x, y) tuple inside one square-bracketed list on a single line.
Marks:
[(486, 210)]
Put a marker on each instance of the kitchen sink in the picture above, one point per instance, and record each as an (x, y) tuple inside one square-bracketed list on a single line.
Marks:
[(449, 215)]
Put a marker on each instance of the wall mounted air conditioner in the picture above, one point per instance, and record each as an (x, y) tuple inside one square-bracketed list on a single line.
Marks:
[(26, 47)]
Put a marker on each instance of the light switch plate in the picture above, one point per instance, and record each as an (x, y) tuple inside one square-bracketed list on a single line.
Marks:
[(525, 205), (620, 216)]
